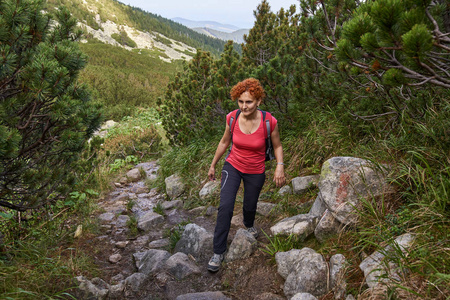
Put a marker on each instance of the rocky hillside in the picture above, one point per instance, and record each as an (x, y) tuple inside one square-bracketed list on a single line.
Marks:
[(169, 49), (115, 23)]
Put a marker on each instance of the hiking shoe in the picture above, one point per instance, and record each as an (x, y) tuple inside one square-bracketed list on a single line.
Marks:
[(215, 262), (253, 231)]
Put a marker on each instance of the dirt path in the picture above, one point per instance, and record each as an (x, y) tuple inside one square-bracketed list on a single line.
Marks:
[(113, 249)]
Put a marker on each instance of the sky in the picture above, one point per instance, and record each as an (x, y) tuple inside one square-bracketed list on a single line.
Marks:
[(234, 12)]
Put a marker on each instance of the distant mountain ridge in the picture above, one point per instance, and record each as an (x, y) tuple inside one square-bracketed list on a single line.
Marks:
[(206, 24), (214, 29), (236, 36)]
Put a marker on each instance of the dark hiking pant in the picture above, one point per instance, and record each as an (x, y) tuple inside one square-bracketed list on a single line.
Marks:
[(230, 182)]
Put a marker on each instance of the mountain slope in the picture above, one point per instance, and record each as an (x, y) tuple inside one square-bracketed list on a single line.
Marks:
[(98, 14)]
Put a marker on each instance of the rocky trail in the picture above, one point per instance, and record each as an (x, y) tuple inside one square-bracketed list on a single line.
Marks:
[(115, 253), (150, 247)]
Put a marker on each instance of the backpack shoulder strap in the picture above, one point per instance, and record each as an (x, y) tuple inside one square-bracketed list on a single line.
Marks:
[(267, 127), (232, 118)]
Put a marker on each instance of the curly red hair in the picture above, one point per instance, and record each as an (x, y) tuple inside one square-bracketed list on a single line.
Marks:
[(251, 85)]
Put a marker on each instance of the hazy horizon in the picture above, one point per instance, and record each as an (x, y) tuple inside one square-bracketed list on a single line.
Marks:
[(224, 11)]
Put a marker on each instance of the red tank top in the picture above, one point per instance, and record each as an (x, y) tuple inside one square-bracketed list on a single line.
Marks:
[(248, 151)]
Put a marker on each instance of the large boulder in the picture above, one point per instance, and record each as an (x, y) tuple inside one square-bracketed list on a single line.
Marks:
[(135, 282), (346, 180), (174, 186), (379, 266), (180, 266), (318, 208), (148, 220), (327, 227), (305, 270), (242, 246), (151, 261), (134, 175), (301, 225), (194, 241)]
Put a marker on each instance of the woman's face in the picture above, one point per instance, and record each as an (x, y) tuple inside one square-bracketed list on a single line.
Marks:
[(248, 104)]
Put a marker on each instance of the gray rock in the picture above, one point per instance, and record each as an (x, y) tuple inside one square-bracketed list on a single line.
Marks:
[(180, 266), (134, 175), (268, 296), (175, 217), (327, 226), (318, 208), (151, 261), (100, 283), (117, 278), (377, 269), (116, 291), (122, 197), (211, 211), (265, 208), (301, 185), (242, 246), (159, 243), (237, 220), (337, 276), (194, 241), (345, 180), (139, 189), (135, 281), (174, 186), (122, 220), (350, 297), (307, 272), (148, 220), (115, 258), (303, 296), (209, 189), (286, 261), (123, 180), (301, 225), (197, 211), (285, 190), (106, 217), (172, 204), (88, 290), (203, 296)]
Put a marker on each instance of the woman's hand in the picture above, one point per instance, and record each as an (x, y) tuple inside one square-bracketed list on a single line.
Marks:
[(279, 177), (212, 173)]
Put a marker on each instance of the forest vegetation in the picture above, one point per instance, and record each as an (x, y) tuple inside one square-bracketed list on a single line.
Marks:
[(344, 78)]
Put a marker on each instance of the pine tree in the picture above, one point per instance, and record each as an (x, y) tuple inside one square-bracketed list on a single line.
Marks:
[(45, 114), (227, 71), (261, 42), (186, 109), (404, 42)]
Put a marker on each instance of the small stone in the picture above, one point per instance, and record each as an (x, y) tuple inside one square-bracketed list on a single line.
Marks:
[(159, 243), (115, 258), (106, 217), (285, 190), (210, 211), (121, 244), (117, 184)]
